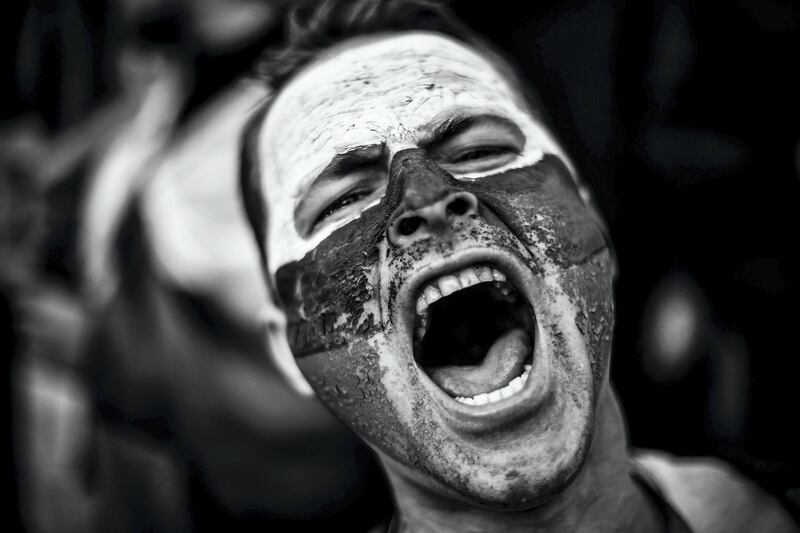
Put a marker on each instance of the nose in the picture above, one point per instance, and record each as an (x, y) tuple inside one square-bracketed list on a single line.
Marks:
[(429, 203)]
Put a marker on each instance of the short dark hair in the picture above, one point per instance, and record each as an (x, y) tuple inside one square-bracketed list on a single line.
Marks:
[(313, 27)]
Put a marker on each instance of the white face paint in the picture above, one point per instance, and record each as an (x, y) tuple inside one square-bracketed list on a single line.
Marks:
[(394, 92)]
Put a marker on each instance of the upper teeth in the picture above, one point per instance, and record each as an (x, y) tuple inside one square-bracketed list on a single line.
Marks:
[(450, 283)]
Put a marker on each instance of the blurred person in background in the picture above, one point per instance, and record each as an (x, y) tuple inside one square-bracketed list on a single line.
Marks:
[(145, 403)]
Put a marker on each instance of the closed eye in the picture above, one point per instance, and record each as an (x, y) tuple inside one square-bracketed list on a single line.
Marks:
[(480, 153), (339, 204), (483, 153), (477, 144), (477, 159), (346, 185)]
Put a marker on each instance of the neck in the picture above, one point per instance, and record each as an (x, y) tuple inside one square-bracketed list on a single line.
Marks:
[(602, 497)]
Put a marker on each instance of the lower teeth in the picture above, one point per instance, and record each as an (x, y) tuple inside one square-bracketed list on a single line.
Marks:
[(514, 386)]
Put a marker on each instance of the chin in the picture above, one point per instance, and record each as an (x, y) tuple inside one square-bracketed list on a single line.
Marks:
[(529, 488), (518, 470)]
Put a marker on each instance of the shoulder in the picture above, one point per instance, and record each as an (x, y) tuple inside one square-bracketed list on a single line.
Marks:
[(713, 497)]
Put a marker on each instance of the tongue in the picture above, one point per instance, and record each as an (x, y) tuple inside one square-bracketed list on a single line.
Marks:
[(503, 362)]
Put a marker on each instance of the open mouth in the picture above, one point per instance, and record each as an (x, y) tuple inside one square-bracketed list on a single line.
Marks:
[(474, 334)]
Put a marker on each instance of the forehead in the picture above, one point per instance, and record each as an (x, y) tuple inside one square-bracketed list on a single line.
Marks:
[(379, 90)]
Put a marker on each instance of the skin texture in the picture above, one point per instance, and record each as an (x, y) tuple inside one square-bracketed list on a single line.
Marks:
[(348, 288)]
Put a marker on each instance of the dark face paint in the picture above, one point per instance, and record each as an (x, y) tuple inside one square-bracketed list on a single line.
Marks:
[(345, 327)]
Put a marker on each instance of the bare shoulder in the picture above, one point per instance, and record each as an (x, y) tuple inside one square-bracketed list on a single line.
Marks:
[(713, 497)]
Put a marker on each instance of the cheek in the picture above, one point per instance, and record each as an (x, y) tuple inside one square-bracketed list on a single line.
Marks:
[(589, 289), (541, 206), (349, 381), (334, 323), (330, 295)]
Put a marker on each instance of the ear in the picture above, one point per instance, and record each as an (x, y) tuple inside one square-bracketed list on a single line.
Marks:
[(273, 322)]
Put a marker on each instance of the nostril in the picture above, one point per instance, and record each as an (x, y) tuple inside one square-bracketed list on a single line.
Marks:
[(458, 206), (461, 204), (409, 225)]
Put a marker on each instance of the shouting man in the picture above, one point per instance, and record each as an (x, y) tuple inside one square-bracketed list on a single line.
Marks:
[(446, 285)]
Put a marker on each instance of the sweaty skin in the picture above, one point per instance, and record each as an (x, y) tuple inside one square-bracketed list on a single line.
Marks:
[(348, 287)]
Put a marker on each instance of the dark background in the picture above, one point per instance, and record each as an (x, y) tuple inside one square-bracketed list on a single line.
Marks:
[(683, 118)]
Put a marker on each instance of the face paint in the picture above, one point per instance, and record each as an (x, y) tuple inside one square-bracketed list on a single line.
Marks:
[(351, 295)]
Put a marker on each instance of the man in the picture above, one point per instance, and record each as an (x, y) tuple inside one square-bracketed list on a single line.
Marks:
[(446, 285)]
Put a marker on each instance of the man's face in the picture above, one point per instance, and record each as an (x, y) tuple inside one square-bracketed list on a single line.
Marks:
[(448, 293)]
